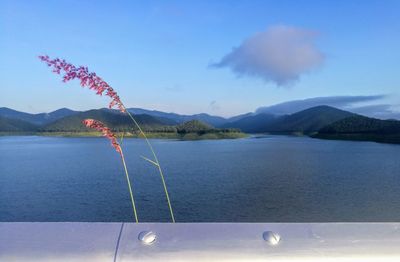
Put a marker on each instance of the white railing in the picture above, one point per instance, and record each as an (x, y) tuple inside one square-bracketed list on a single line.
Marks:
[(200, 242)]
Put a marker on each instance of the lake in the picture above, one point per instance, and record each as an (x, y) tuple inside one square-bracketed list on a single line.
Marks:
[(264, 179)]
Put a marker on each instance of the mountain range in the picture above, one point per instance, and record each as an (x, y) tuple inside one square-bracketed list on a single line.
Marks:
[(178, 118), (320, 121), (306, 121), (36, 119)]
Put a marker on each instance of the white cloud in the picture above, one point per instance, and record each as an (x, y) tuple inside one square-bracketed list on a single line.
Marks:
[(280, 54), (343, 102)]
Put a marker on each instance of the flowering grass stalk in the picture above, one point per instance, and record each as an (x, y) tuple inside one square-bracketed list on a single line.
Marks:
[(88, 79), (94, 82), (156, 163), (95, 124)]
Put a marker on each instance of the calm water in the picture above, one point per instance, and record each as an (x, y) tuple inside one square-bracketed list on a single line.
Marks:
[(275, 178)]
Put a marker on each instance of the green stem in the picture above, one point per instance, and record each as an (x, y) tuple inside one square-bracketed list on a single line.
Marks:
[(129, 186), (156, 160), (122, 139)]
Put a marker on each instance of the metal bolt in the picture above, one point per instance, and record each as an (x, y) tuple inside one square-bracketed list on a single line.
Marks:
[(147, 237), (272, 238)]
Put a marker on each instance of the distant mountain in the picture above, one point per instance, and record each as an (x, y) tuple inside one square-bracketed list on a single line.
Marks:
[(37, 119), (238, 117), (306, 121), (362, 128), (16, 125), (212, 120), (57, 114), (309, 120), (112, 118), (253, 123)]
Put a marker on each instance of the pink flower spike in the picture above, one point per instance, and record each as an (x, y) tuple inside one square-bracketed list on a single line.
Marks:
[(87, 79), (95, 124)]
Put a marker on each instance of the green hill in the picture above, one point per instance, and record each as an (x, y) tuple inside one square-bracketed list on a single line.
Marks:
[(362, 128), (113, 119), (362, 124), (16, 125)]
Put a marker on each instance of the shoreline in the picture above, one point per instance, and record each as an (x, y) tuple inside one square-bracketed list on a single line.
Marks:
[(388, 139), (150, 135), (215, 136)]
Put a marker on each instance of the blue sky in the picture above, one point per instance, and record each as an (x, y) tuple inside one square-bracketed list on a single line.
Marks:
[(162, 54)]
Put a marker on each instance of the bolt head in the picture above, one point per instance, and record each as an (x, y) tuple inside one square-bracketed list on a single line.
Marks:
[(271, 238), (147, 237)]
